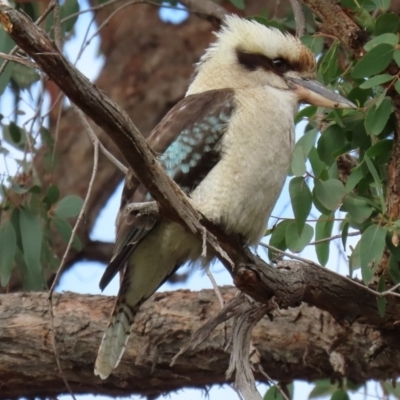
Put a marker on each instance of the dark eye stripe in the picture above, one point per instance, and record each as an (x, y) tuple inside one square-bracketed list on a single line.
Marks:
[(252, 61)]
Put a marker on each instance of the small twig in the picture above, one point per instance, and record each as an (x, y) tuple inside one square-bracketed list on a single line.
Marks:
[(277, 384), (215, 286), (145, 208), (204, 243), (56, 355), (19, 60), (298, 17), (81, 213), (328, 239)]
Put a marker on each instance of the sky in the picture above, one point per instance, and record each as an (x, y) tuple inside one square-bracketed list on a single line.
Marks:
[(84, 276)]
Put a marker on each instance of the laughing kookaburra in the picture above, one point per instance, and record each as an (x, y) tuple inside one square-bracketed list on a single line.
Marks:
[(228, 144)]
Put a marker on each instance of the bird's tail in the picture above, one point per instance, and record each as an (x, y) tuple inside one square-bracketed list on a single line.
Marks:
[(115, 338)]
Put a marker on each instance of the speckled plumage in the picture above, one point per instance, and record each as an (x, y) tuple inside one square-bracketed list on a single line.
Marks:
[(228, 144)]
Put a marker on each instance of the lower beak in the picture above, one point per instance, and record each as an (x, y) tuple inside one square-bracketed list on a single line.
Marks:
[(312, 92)]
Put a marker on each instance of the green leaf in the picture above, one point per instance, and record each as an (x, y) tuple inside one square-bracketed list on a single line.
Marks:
[(318, 167), (69, 206), (323, 230), (329, 64), (298, 164), (372, 244), (301, 199), (238, 4), (68, 8), (31, 236), (322, 388), (394, 269), (329, 193), (278, 238), (345, 232), (52, 196), (273, 393), (383, 147), (8, 246), (355, 177), (376, 81), (386, 38), (340, 394), (24, 76), (65, 230), (306, 112), (374, 62), (358, 208), (6, 44), (377, 117), (15, 132), (377, 180), (333, 139), (314, 43), (396, 57), (387, 22), (397, 86), (295, 242), (381, 301), (307, 141), (355, 259)]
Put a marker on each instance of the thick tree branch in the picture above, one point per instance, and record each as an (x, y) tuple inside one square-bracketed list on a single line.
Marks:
[(28, 367), (339, 24)]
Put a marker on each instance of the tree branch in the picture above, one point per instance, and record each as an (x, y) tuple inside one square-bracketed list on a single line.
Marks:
[(162, 326)]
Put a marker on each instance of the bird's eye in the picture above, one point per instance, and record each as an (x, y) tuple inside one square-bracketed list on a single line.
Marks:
[(280, 65)]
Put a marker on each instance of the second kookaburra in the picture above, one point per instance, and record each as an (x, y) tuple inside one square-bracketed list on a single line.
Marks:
[(228, 143)]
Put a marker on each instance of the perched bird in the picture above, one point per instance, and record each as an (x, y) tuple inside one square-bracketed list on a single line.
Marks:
[(228, 144)]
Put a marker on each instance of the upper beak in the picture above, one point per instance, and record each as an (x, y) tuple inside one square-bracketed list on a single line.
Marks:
[(313, 92)]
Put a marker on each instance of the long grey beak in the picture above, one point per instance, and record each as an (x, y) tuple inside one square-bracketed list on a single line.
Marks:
[(313, 92)]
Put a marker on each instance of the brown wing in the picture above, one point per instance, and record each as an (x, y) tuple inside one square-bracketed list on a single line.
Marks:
[(187, 139)]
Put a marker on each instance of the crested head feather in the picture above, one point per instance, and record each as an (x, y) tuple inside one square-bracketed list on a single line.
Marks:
[(218, 67)]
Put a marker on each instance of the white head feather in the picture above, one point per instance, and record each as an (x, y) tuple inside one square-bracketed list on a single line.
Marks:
[(219, 67)]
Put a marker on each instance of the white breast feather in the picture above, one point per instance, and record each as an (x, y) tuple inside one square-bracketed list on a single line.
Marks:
[(243, 187)]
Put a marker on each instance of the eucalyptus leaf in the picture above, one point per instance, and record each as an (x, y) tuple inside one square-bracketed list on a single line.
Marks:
[(8, 247), (330, 193), (358, 208), (372, 244), (377, 117), (298, 164), (301, 199), (296, 242), (323, 230), (387, 22), (387, 38), (278, 238), (374, 62), (332, 139), (69, 206), (31, 237), (340, 394), (376, 81)]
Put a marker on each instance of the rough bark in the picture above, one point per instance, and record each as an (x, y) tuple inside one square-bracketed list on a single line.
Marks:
[(165, 322)]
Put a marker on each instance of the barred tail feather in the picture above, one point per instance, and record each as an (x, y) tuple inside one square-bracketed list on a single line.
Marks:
[(114, 340)]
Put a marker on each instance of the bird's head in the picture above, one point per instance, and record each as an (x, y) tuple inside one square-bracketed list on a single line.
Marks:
[(248, 54)]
